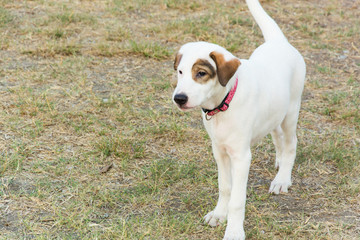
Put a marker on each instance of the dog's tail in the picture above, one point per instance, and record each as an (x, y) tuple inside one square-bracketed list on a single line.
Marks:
[(268, 26)]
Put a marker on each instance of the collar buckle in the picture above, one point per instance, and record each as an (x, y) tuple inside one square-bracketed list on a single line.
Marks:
[(207, 117)]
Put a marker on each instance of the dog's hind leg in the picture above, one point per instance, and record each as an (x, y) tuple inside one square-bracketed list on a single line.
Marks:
[(219, 214), (285, 143), (278, 139)]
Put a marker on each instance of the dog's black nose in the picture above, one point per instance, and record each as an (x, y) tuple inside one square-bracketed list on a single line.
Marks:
[(180, 99)]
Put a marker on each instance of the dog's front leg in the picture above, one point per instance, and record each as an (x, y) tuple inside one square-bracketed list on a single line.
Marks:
[(218, 215), (240, 164)]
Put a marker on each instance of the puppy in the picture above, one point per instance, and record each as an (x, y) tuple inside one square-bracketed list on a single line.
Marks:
[(242, 101)]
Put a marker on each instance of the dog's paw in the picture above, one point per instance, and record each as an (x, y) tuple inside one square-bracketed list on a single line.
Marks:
[(214, 219), (279, 185), (234, 235)]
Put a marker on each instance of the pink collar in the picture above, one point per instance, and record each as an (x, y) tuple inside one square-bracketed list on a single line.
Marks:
[(224, 105)]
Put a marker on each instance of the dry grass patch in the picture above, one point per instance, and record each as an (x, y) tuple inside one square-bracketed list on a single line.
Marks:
[(91, 146)]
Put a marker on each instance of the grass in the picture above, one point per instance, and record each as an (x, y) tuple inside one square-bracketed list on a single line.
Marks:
[(5, 17), (91, 146), (152, 50)]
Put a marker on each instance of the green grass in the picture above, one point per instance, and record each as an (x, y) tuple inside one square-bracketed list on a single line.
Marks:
[(152, 50), (5, 17), (68, 17), (92, 147)]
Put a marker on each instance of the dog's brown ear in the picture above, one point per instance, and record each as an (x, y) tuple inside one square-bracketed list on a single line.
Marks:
[(177, 60), (224, 69)]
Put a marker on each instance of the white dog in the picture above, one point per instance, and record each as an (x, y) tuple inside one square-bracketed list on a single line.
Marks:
[(242, 101)]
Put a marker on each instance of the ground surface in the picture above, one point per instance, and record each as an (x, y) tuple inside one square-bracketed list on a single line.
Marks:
[(91, 146)]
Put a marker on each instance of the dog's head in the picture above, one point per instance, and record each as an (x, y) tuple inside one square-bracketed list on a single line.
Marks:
[(203, 70)]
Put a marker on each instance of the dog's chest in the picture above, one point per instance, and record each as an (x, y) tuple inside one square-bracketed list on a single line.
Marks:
[(218, 129)]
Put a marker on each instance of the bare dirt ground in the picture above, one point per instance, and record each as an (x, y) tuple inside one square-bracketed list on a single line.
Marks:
[(91, 146)]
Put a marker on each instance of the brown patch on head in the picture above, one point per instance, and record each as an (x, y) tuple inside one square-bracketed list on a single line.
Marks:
[(202, 71), (225, 69), (177, 60)]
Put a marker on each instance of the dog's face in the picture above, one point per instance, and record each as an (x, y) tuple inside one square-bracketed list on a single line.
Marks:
[(202, 69)]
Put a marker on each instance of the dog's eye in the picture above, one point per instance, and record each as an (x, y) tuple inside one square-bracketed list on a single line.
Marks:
[(180, 71), (200, 74)]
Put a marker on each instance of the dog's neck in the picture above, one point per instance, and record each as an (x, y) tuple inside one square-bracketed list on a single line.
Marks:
[(219, 94)]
